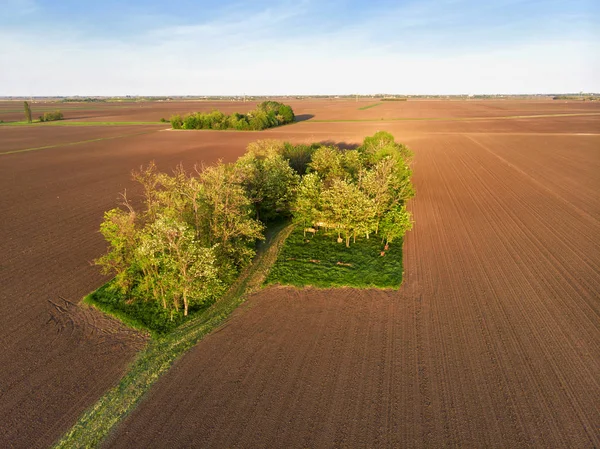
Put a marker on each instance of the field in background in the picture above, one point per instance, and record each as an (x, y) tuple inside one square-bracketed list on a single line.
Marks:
[(494, 338)]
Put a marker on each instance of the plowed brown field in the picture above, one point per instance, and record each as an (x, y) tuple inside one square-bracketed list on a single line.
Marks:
[(493, 340)]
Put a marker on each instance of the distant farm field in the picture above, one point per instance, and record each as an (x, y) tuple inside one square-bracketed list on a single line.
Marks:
[(492, 340)]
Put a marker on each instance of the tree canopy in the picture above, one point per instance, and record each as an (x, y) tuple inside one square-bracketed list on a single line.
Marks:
[(267, 114)]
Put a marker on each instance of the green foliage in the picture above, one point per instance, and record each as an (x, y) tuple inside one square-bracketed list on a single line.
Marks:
[(195, 232), (269, 180), (322, 262), (185, 246), (176, 121), (267, 114), (395, 223), (143, 315), (299, 156), (51, 116), (27, 112)]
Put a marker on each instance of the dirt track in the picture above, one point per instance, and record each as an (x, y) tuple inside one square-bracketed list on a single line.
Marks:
[(496, 333), (494, 340)]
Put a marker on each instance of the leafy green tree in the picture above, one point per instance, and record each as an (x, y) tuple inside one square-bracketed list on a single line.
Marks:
[(120, 230), (299, 156), (188, 269), (307, 205), (396, 222), (327, 162), (270, 183), (227, 213), (346, 209), (27, 112)]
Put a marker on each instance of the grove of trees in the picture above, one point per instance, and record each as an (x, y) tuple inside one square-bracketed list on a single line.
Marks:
[(267, 114), (51, 116), (186, 241)]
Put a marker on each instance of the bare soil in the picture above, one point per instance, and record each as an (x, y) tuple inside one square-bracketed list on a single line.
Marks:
[(493, 340)]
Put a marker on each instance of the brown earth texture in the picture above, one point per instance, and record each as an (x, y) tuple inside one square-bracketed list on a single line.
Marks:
[(492, 341)]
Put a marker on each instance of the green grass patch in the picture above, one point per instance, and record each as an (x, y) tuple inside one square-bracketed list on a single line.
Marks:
[(151, 363), (369, 106), (322, 262), (142, 315)]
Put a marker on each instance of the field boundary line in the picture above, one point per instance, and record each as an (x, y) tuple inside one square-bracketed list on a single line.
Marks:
[(74, 143), (453, 119), (579, 211)]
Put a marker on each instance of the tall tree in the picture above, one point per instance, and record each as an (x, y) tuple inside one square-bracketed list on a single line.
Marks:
[(307, 205), (27, 112)]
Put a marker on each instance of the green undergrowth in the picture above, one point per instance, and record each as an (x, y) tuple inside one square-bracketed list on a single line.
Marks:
[(321, 261), (101, 418), (369, 106), (142, 315)]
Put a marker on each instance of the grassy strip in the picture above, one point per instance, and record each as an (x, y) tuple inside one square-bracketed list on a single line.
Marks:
[(100, 419), (369, 106), (322, 262), (73, 143), (76, 123), (455, 119)]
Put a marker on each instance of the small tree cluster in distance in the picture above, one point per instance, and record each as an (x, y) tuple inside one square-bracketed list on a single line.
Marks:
[(51, 116), (267, 114)]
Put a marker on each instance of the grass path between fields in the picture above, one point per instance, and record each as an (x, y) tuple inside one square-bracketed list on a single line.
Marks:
[(100, 419), (71, 122), (453, 119), (46, 147)]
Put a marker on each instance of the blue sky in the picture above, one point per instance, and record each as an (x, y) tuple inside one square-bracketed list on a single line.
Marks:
[(298, 47)]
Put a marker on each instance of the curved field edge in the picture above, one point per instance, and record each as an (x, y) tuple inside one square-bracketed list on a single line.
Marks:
[(100, 419)]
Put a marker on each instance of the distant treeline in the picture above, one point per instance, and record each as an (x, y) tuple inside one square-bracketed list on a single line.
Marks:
[(267, 114), (393, 99), (83, 100), (575, 97)]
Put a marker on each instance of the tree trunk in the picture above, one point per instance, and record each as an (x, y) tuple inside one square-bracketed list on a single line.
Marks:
[(185, 304), (347, 240)]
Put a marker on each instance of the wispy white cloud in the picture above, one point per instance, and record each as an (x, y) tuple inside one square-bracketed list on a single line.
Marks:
[(263, 52)]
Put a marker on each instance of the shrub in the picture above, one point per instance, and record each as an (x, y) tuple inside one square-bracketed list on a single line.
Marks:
[(51, 116), (176, 121)]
